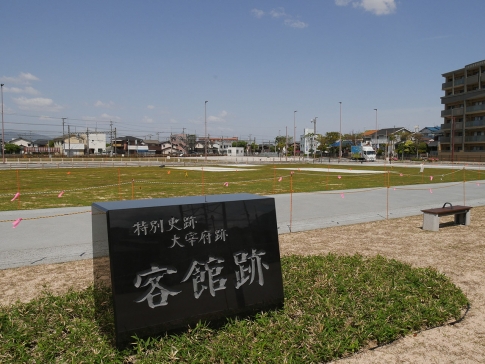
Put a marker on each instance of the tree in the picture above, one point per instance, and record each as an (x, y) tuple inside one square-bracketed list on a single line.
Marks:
[(240, 143), (327, 140), (406, 147), (281, 143), (12, 148), (392, 141)]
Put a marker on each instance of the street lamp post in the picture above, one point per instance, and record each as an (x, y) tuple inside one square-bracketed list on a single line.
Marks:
[(314, 121), (376, 131), (3, 132), (340, 135), (205, 123), (294, 133)]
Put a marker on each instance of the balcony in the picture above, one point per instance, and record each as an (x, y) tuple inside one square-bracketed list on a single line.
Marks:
[(468, 139), (470, 95), (475, 108), (445, 126), (475, 124), (456, 112), (459, 82), (446, 85), (447, 140), (472, 79), (475, 138)]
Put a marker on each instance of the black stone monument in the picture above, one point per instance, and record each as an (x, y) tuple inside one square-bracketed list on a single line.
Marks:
[(175, 261)]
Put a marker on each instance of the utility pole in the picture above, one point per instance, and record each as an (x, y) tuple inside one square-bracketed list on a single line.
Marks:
[(340, 134), (286, 145), (63, 121), (294, 133), (205, 123), (111, 136), (3, 130), (377, 144), (314, 121), (69, 140), (87, 139)]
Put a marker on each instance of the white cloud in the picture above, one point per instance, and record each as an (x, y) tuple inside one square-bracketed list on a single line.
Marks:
[(38, 103), (342, 2), (257, 13), (107, 105), (295, 23), (23, 79), (31, 91), (26, 90), (377, 7), (221, 118), (28, 77), (277, 13), (110, 117), (151, 107), (147, 120)]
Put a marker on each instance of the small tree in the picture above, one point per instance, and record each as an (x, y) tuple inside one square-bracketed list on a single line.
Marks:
[(327, 140), (12, 148)]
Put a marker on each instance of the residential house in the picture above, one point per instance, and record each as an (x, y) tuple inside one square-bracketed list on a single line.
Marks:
[(70, 145), (130, 146), (95, 143)]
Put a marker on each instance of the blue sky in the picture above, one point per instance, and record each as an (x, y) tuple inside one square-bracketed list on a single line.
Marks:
[(149, 66)]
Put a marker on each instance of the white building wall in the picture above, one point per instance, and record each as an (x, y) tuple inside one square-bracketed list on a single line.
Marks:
[(96, 142), (235, 151), (307, 139)]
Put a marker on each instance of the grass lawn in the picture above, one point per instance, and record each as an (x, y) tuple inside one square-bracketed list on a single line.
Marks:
[(334, 306), (82, 186)]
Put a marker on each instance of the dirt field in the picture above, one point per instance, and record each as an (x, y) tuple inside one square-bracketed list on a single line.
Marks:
[(457, 251)]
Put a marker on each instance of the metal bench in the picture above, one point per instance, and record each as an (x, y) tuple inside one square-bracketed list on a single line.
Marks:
[(431, 217)]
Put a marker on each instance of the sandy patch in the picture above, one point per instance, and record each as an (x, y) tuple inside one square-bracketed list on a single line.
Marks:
[(334, 170), (457, 251), (211, 169)]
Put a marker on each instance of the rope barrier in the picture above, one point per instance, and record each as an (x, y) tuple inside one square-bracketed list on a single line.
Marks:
[(294, 175), (48, 217)]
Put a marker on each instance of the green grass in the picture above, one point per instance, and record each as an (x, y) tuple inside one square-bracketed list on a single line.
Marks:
[(334, 306), (83, 186)]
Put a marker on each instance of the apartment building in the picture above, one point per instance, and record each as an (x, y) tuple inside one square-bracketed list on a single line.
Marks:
[(463, 115)]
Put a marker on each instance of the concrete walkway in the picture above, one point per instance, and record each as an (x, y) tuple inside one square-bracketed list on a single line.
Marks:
[(64, 234)]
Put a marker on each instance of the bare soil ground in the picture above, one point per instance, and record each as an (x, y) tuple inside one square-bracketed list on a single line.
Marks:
[(455, 250)]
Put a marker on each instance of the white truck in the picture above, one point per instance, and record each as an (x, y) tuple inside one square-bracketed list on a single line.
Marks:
[(363, 153)]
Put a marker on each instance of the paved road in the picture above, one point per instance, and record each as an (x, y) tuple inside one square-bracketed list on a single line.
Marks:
[(64, 234)]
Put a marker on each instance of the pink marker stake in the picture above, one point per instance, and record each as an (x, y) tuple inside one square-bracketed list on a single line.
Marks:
[(16, 222), (280, 179), (430, 190), (16, 196), (60, 194), (430, 178), (339, 177), (342, 195), (226, 184)]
